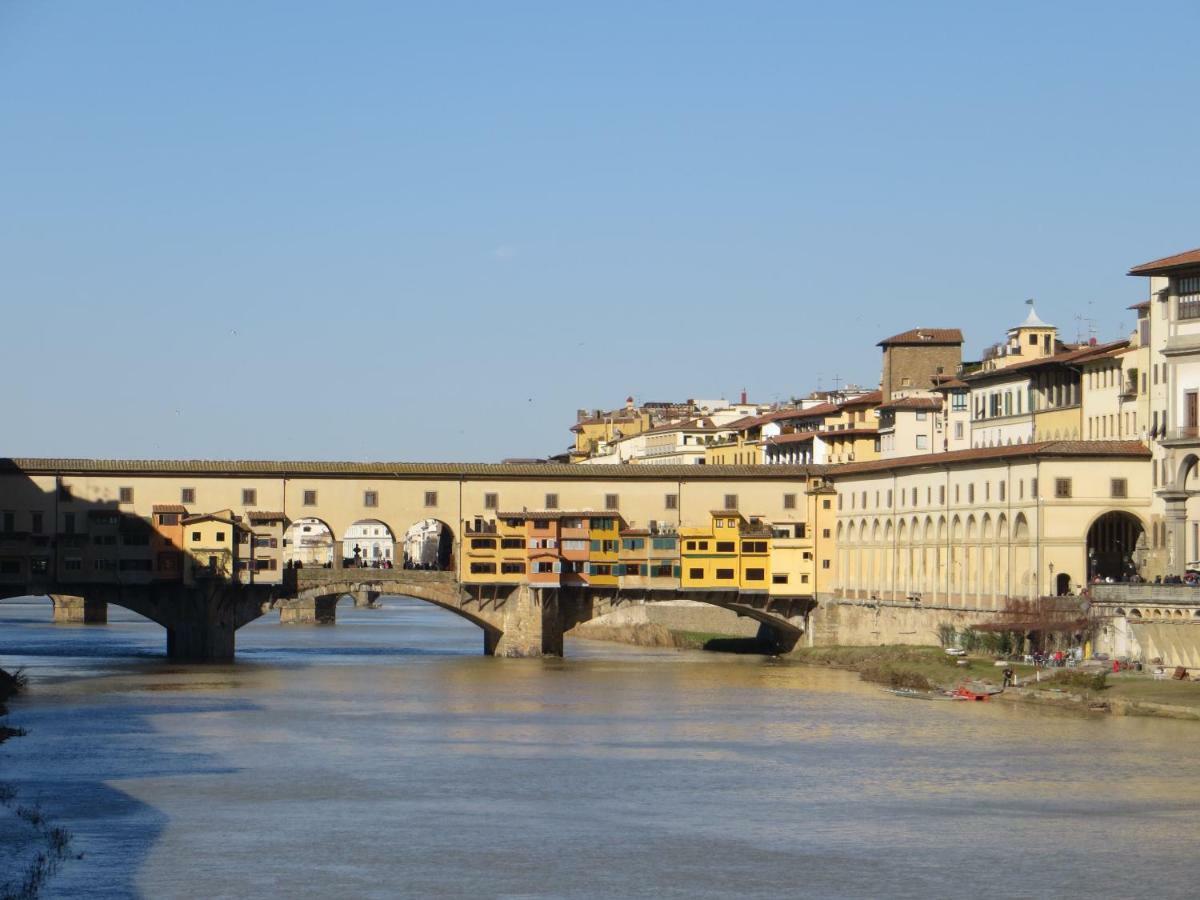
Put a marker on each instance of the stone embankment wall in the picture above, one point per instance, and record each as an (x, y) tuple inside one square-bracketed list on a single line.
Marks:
[(672, 615), (871, 623)]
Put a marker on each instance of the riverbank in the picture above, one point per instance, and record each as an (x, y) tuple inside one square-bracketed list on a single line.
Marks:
[(653, 634), (682, 624), (1090, 690), (31, 848)]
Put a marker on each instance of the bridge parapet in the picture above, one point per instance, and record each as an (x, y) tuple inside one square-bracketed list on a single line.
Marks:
[(1172, 594)]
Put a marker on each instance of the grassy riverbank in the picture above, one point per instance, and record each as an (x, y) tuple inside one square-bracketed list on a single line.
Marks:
[(651, 634), (1092, 689), (921, 668)]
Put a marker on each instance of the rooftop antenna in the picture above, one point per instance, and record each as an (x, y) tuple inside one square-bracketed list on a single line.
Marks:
[(837, 383), (1088, 320)]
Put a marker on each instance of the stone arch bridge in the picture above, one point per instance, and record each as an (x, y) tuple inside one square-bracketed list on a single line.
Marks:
[(516, 620)]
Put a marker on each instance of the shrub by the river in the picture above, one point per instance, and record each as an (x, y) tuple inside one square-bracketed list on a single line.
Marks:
[(894, 676), (1070, 680)]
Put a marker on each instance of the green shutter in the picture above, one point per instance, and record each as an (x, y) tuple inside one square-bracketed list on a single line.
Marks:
[(678, 571), (595, 546)]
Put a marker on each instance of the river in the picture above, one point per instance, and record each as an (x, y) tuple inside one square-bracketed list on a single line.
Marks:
[(386, 757)]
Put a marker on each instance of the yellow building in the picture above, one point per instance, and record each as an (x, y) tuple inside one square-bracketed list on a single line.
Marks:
[(212, 545), (711, 558), (604, 534), (494, 551)]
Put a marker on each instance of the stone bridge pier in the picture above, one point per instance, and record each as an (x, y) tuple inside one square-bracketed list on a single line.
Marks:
[(200, 621), (516, 620), (72, 610)]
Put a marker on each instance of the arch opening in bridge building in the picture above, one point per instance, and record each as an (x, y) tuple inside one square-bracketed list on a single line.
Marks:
[(1112, 542), (368, 543), (309, 543), (429, 544)]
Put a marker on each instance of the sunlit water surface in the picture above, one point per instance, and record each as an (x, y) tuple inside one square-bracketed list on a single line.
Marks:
[(386, 757)]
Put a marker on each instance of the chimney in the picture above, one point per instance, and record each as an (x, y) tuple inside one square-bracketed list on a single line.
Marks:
[(743, 396)]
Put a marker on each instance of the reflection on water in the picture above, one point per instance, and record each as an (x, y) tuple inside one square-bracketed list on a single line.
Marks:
[(385, 757)]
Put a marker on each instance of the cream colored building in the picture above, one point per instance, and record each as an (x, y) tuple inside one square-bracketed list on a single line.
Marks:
[(976, 527)]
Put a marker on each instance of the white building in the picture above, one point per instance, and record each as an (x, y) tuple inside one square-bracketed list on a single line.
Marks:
[(371, 538)]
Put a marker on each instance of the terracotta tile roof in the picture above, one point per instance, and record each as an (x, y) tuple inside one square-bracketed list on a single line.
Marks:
[(924, 336), (396, 470), (821, 409), (1081, 449), (1178, 261), (869, 399), (541, 515), (169, 508), (949, 383), (261, 516), (727, 513), (1145, 304), (1073, 356), (796, 437), (918, 403), (846, 432)]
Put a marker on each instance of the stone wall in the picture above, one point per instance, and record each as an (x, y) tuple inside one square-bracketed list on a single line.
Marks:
[(867, 623), (680, 615)]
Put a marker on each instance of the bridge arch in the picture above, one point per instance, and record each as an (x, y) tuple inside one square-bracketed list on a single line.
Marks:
[(368, 543), (308, 541), (429, 544)]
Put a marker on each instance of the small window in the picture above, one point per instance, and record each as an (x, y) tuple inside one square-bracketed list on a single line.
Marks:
[(1033, 488), (1062, 488), (249, 497), (187, 495), (220, 535), (1120, 488), (671, 501), (431, 498), (612, 501), (824, 564), (695, 573), (825, 504), (789, 501), (725, 546), (779, 578), (310, 498), (552, 501), (725, 574), (824, 532), (491, 501), (1003, 491), (970, 493), (731, 501), (756, 574), (370, 498), (196, 536), (126, 494)]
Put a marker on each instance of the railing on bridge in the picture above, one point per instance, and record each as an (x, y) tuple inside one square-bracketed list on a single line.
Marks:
[(1122, 594)]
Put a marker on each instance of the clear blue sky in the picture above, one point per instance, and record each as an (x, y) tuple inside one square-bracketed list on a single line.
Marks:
[(398, 231)]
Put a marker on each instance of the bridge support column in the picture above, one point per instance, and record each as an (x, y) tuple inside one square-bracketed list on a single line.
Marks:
[(309, 610), (70, 610), (201, 641), (366, 599), (530, 625)]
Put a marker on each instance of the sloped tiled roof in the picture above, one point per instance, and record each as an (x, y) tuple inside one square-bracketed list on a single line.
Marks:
[(924, 336), (265, 516), (1178, 261), (1081, 449), (396, 470), (169, 508), (868, 399), (1072, 356), (918, 403)]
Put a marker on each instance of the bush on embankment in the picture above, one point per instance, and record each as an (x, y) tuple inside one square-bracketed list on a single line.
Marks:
[(11, 684)]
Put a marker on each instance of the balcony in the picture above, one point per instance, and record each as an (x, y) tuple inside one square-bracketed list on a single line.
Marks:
[(488, 528), (1185, 436)]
